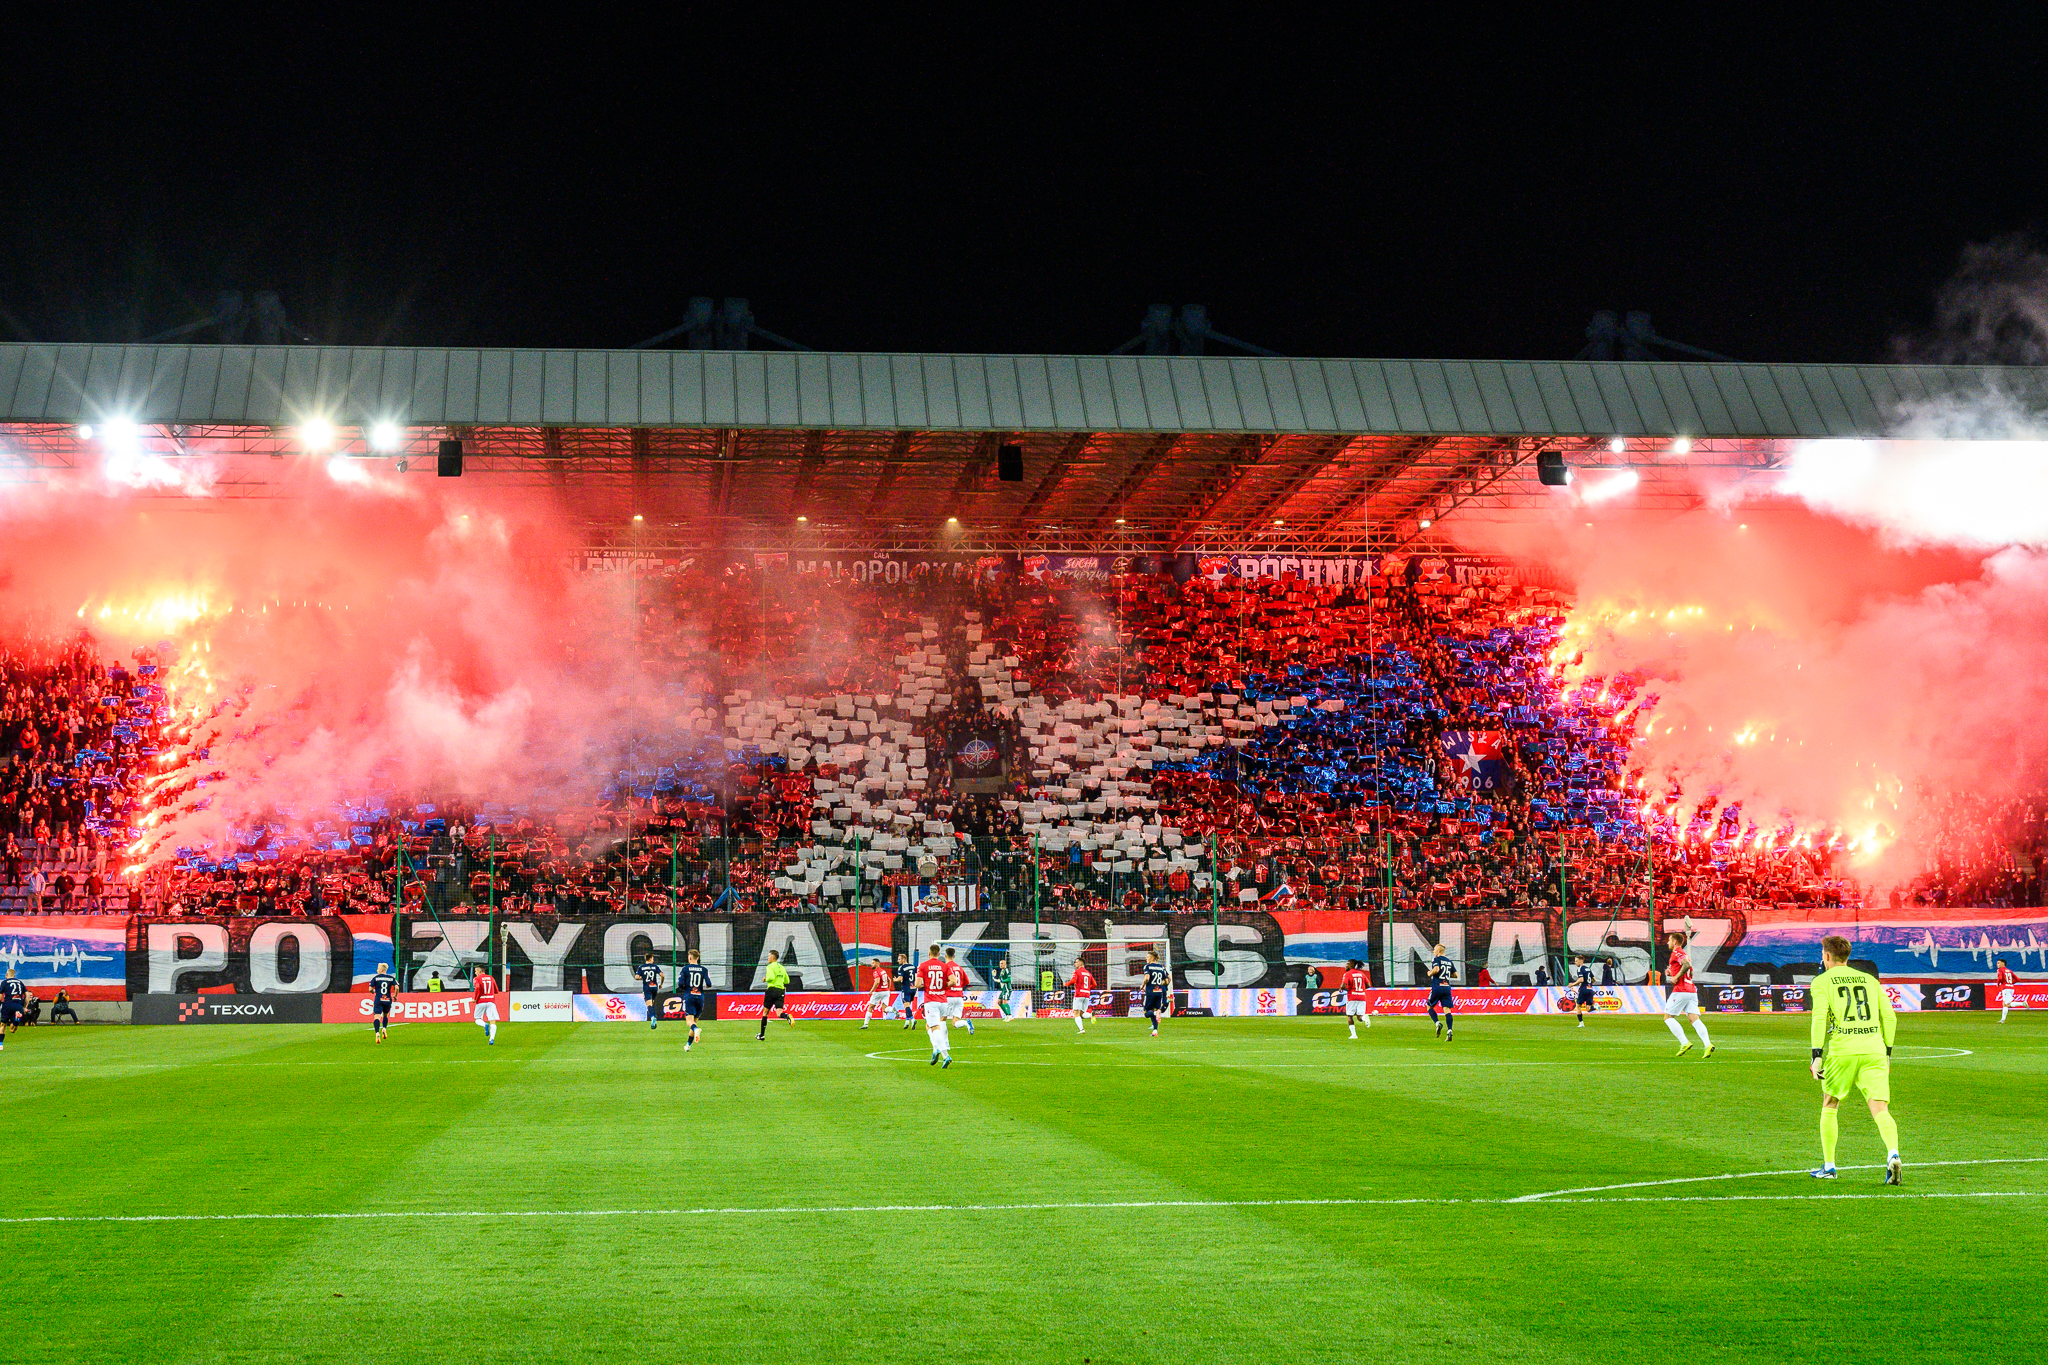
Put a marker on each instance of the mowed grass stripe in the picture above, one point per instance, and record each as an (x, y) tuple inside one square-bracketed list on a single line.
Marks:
[(165, 1137), (852, 1125)]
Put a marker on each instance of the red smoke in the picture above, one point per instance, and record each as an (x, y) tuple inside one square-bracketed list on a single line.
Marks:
[(343, 639), (1824, 674)]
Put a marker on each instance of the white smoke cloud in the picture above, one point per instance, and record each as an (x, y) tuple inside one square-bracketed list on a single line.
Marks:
[(1978, 494)]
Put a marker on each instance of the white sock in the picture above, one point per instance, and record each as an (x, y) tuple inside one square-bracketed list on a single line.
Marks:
[(945, 1048), (1354, 1030), (1676, 1031), (931, 1031), (1367, 1018), (1699, 1026), (2001, 1013), (1078, 1026)]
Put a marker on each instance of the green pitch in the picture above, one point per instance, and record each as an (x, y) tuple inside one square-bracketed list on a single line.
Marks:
[(1110, 1198)]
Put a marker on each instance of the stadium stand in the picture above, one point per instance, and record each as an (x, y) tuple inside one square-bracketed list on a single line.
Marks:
[(1396, 742)]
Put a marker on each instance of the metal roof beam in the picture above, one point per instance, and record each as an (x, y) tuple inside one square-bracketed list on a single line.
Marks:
[(1242, 459), (1484, 459), (1047, 486), (1149, 461), (807, 472), (1373, 481), (892, 464), (722, 484), (974, 469), (1278, 498)]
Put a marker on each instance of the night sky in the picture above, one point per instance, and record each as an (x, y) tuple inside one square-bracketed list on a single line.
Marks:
[(1023, 184)]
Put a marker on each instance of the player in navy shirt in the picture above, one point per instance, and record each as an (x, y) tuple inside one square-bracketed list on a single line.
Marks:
[(695, 981), (383, 990), (1157, 983), (1442, 971), (1582, 977), (13, 1005), (906, 986), (651, 982)]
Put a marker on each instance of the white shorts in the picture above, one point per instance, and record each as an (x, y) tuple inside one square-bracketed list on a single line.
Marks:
[(487, 1012), (934, 1012), (880, 998), (1353, 1005), (1682, 1002), (956, 1009), (1082, 1001)]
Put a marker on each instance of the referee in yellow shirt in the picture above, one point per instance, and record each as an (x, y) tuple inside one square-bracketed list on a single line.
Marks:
[(776, 979), (1852, 1034)]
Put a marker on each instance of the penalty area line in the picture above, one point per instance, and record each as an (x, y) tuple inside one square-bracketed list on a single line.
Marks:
[(1751, 1175)]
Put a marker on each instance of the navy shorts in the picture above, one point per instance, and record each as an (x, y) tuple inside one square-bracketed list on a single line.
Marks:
[(10, 1014), (1586, 996), (1440, 994), (380, 1008), (1155, 1001), (693, 1005)]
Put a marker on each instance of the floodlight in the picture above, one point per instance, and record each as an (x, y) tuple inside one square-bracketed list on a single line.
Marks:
[(386, 436), (316, 433)]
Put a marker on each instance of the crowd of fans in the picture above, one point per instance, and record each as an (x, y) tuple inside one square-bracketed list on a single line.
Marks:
[(1399, 740)]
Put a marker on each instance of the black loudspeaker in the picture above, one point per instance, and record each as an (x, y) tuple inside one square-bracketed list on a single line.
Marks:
[(1183, 567), (448, 464), (1010, 464), (1550, 468)]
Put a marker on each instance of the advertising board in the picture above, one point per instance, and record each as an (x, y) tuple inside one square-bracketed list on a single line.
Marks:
[(409, 1007), (226, 1009)]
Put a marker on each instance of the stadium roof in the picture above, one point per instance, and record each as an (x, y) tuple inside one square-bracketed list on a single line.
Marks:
[(1140, 452)]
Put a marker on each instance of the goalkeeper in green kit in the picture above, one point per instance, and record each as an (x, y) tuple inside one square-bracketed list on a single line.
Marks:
[(1853, 1030), (1002, 975)]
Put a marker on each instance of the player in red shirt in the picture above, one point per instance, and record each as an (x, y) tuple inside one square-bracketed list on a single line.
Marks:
[(2007, 979), (931, 979), (1084, 995), (1684, 997), (956, 992), (881, 985), (483, 992), (1357, 995)]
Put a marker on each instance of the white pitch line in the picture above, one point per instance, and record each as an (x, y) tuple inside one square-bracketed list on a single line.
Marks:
[(1750, 1175), (1079, 1206), (1336, 1063)]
